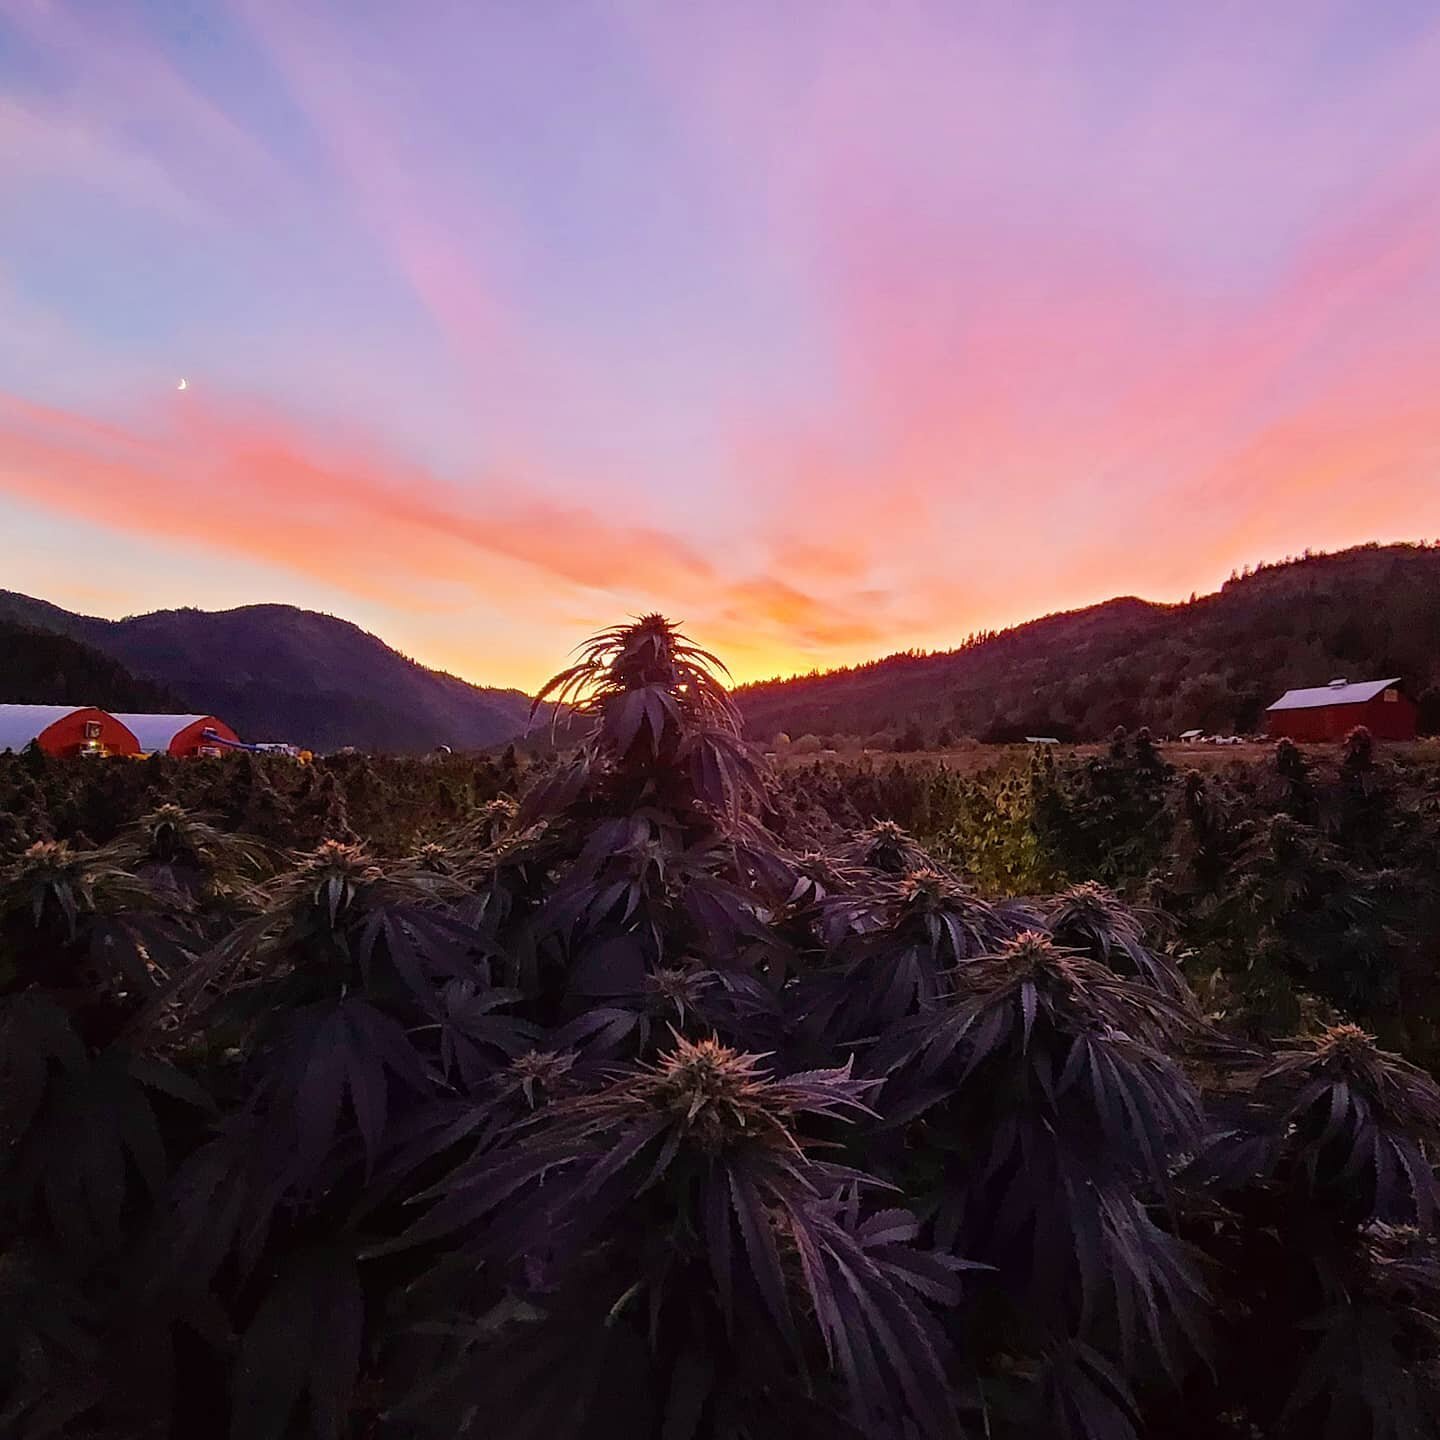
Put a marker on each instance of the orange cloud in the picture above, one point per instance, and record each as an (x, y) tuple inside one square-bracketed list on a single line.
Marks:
[(341, 510), (253, 484), (822, 623)]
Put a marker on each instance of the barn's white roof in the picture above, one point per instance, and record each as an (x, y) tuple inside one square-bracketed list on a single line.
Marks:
[(1338, 692), (155, 732), (20, 724)]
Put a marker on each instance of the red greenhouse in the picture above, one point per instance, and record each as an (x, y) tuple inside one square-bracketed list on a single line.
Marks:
[(65, 730), (183, 735)]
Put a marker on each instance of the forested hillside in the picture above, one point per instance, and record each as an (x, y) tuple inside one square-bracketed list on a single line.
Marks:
[(275, 672), (39, 667), (1214, 662)]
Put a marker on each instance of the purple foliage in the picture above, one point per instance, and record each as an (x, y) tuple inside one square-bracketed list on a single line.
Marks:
[(613, 1114)]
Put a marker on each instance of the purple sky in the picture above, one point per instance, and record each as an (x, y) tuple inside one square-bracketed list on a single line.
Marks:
[(830, 328)]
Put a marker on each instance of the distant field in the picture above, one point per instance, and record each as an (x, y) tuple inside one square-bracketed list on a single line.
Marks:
[(973, 759)]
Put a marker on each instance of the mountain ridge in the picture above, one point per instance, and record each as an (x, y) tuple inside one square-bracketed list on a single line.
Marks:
[(279, 672), (44, 667), (1213, 662)]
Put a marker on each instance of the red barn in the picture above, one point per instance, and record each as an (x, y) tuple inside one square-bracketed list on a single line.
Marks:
[(178, 734), (65, 730), (1330, 712)]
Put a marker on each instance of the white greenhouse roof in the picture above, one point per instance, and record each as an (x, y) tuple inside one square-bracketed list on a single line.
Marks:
[(155, 732), (20, 724), (1341, 692)]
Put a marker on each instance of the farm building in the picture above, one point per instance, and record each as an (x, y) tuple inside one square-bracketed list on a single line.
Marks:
[(183, 735), (65, 730), (1330, 712)]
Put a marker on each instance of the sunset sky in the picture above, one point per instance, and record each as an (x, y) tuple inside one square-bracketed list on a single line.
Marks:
[(831, 327)]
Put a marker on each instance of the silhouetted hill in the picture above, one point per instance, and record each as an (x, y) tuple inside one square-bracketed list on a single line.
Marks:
[(42, 667), (275, 672), (1214, 662)]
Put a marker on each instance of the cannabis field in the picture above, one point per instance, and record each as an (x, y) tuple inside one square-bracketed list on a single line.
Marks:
[(637, 1091)]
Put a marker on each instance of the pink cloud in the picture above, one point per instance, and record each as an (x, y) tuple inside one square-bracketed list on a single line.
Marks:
[(334, 507), (369, 110)]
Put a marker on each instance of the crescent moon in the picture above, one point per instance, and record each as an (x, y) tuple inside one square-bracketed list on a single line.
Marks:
[(183, 385)]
